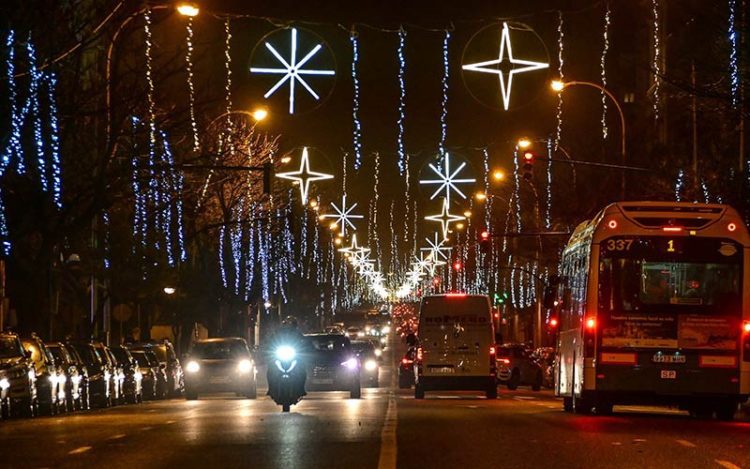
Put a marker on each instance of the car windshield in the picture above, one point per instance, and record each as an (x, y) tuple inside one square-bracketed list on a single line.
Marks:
[(121, 355), (88, 355), (363, 347), (59, 354), (160, 351), (220, 350), (9, 347), (329, 344), (141, 358)]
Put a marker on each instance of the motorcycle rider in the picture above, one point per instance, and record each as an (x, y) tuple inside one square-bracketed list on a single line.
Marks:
[(287, 334)]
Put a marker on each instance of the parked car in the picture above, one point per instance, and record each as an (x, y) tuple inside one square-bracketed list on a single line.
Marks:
[(545, 356), (332, 365), (516, 367), (50, 384), (168, 358), (76, 384), (220, 365), (99, 373), (406, 369), (132, 389), (18, 393), (116, 375), (154, 381), (365, 351)]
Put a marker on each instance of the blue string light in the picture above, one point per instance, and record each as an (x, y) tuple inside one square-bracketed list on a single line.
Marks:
[(679, 185), (139, 195), (54, 140), (14, 149), (222, 234), (357, 126), (734, 69), (401, 102), (250, 257), (33, 103), (107, 239), (444, 101), (177, 185)]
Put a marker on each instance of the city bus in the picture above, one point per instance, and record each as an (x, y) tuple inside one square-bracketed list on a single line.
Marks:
[(653, 308)]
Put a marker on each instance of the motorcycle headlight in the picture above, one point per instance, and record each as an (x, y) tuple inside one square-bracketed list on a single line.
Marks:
[(192, 366), (371, 365), (244, 366), (4, 384), (350, 364), (285, 353)]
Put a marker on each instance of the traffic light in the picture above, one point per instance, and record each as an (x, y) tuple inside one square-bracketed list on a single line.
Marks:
[(484, 242), (528, 164), (552, 323), (267, 175), (500, 298), (457, 266)]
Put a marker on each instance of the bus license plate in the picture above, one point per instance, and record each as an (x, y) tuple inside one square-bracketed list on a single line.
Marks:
[(443, 370), (661, 358), (668, 374)]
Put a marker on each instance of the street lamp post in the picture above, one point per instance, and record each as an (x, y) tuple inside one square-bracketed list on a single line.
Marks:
[(560, 86)]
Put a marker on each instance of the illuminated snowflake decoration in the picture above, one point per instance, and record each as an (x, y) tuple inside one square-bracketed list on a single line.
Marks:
[(437, 249), (447, 180), (492, 66), (344, 216), (445, 218), (304, 176), (292, 70)]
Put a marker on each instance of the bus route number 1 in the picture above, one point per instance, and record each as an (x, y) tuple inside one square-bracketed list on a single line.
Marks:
[(619, 244)]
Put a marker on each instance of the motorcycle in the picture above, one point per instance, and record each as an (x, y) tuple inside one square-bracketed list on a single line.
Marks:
[(287, 369)]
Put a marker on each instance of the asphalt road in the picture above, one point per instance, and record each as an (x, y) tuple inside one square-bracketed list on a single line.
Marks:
[(386, 428)]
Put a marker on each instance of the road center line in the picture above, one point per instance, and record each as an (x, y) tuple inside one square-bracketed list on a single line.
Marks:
[(116, 437), (388, 446), (727, 464), (686, 443), (80, 450)]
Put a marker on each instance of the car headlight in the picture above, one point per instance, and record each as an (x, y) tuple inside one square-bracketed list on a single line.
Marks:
[(285, 353), (244, 366), (350, 364), (382, 340), (138, 376), (32, 374), (371, 365), (76, 379), (62, 379), (192, 366), (378, 352), (4, 384), (360, 334), (386, 329), (52, 379)]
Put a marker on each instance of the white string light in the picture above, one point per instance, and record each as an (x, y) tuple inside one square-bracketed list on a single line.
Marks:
[(734, 69), (679, 185), (356, 124), (603, 65), (401, 101), (444, 101), (228, 66), (34, 110), (375, 210), (54, 140), (15, 149), (191, 87), (561, 77), (548, 213), (657, 59)]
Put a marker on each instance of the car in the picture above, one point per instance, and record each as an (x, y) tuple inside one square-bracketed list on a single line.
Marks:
[(76, 384), (545, 356), (132, 389), (365, 351), (154, 381), (406, 369), (116, 374), (220, 365), (99, 373), (168, 358), (354, 333), (332, 364), (50, 382), (18, 392), (516, 367)]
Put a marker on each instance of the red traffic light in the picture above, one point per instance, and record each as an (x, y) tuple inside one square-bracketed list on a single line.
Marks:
[(528, 156), (485, 235), (553, 322), (457, 266)]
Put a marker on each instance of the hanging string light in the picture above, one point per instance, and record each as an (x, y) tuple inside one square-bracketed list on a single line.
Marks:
[(548, 198), (356, 124), (250, 257), (36, 115), (222, 269), (407, 203), (228, 67), (376, 200), (657, 59), (151, 117), (444, 101), (734, 69), (15, 149), (706, 193), (561, 77), (679, 185), (603, 63), (54, 140), (517, 189), (191, 87), (4, 234), (401, 101)]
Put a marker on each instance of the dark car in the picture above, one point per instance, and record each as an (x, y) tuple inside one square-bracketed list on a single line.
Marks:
[(116, 374), (17, 378), (332, 364), (154, 383), (220, 365), (406, 369), (76, 383), (516, 367), (49, 382), (365, 351), (545, 356), (132, 389), (168, 358), (99, 373)]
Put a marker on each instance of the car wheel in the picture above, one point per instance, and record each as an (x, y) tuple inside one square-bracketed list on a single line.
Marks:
[(191, 396), (285, 407), (514, 380), (491, 392), (725, 411), (418, 391), (568, 404), (537, 383)]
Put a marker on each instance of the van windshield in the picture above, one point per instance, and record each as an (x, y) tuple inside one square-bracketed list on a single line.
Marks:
[(457, 314)]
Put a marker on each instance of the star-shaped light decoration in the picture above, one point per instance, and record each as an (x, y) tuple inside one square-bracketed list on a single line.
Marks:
[(344, 216), (447, 180), (445, 218), (414, 276), (436, 249), (292, 70), (492, 66), (354, 249), (304, 176)]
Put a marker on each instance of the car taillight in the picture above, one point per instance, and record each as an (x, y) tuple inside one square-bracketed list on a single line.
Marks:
[(504, 361), (589, 337), (746, 327), (406, 361), (492, 350)]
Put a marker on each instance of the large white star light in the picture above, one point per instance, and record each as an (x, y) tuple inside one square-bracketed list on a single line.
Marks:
[(491, 66), (344, 215), (445, 218), (304, 176), (354, 249), (292, 70), (437, 248), (447, 181)]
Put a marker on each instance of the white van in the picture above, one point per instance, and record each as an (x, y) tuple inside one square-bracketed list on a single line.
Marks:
[(456, 345)]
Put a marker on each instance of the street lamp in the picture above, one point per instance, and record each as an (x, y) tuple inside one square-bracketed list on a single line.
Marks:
[(523, 143), (257, 115), (559, 86), (189, 9), (498, 175), (170, 290)]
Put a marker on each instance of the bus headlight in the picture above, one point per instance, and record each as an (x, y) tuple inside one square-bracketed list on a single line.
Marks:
[(378, 352), (286, 353), (192, 367), (244, 366)]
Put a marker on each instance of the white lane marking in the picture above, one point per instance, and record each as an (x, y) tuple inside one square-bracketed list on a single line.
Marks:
[(686, 443), (80, 450), (169, 422), (727, 464), (116, 437), (146, 428), (388, 446), (638, 440)]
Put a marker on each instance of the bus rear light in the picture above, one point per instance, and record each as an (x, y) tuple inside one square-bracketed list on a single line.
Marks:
[(734, 380), (672, 229), (611, 358), (612, 224), (731, 227), (492, 350), (590, 324), (455, 295), (746, 327), (600, 376), (504, 361), (419, 354)]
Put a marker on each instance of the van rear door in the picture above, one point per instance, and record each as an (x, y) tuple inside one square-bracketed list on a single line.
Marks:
[(455, 334)]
